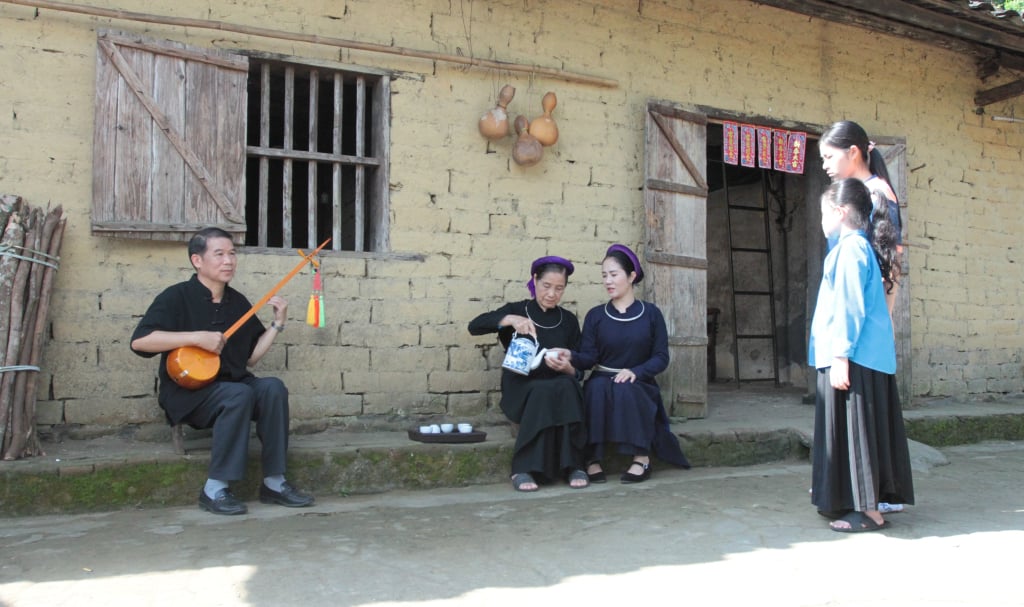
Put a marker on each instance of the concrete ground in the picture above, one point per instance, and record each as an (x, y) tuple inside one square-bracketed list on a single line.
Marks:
[(708, 536)]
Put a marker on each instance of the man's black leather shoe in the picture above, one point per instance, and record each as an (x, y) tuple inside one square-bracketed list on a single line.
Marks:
[(224, 503), (288, 496)]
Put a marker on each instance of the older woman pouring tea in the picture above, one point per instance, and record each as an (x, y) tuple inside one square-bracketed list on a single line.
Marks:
[(547, 403)]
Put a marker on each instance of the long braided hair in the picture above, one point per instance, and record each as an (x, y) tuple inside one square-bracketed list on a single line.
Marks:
[(863, 214)]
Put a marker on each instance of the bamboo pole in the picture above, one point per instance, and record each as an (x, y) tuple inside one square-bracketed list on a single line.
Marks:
[(8, 204), (42, 319), (10, 318), (24, 439), (31, 245), (314, 39), (14, 383)]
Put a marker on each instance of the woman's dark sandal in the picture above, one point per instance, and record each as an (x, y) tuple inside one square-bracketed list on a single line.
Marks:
[(858, 523), (628, 477), (522, 478), (596, 477), (579, 475)]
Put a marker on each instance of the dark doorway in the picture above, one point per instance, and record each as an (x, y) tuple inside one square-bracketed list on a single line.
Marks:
[(757, 235)]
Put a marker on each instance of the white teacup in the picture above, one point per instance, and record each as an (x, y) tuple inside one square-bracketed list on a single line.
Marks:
[(435, 429), (465, 428), (424, 429), (446, 428)]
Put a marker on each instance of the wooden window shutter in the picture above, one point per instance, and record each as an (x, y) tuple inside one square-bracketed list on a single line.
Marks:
[(169, 140)]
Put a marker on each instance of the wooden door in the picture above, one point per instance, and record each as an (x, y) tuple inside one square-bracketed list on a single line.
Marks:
[(894, 151), (675, 204)]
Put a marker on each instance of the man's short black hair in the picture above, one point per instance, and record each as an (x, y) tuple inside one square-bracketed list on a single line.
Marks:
[(197, 245)]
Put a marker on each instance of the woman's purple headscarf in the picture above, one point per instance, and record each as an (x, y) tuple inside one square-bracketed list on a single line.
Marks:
[(541, 262), (621, 248)]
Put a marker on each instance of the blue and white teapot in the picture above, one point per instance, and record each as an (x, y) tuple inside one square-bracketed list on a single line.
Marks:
[(522, 355)]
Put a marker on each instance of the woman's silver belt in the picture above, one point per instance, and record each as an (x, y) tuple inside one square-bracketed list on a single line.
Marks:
[(606, 369)]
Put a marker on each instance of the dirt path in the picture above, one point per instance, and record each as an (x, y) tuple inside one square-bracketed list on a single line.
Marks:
[(725, 536)]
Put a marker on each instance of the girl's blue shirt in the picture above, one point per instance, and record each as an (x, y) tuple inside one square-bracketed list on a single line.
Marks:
[(851, 319)]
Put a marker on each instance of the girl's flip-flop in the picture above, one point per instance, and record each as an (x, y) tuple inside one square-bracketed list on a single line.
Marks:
[(858, 523)]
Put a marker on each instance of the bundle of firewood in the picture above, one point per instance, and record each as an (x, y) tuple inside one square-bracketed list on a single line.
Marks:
[(29, 257)]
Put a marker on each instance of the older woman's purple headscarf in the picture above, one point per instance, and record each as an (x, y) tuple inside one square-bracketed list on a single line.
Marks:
[(543, 261), (621, 248)]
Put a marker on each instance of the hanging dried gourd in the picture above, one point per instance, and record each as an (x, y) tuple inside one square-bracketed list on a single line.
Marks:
[(543, 127), (494, 123), (527, 150)]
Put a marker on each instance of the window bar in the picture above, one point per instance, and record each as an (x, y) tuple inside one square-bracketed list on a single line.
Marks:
[(312, 200), (261, 237), (286, 177), (339, 90), (378, 177), (360, 218)]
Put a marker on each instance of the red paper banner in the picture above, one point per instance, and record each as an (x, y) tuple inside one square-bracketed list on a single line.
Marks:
[(764, 148), (781, 146), (795, 152), (748, 145), (730, 142)]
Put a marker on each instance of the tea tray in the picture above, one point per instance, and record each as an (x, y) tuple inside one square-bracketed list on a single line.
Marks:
[(476, 436)]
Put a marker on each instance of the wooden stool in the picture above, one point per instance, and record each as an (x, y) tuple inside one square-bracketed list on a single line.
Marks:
[(178, 438)]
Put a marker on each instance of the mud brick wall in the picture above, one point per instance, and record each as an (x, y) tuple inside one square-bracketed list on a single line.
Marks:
[(466, 220)]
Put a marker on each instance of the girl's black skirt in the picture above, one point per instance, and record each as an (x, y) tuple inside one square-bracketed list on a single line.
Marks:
[(860, 455)]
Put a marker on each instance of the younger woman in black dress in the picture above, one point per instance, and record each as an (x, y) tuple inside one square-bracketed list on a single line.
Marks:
[(625, 342)]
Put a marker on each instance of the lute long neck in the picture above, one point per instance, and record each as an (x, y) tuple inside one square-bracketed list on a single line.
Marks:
[(263, 300)]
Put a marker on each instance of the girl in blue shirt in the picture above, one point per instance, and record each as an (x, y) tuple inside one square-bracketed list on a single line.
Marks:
[(860, 455)]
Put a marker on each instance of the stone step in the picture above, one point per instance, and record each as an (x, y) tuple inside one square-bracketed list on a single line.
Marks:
[(110, 473)]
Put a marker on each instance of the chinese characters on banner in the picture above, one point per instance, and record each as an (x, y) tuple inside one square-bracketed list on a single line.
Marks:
[(749, 145), (730, 142), (795, 152), (764, 148), (781, 144)]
